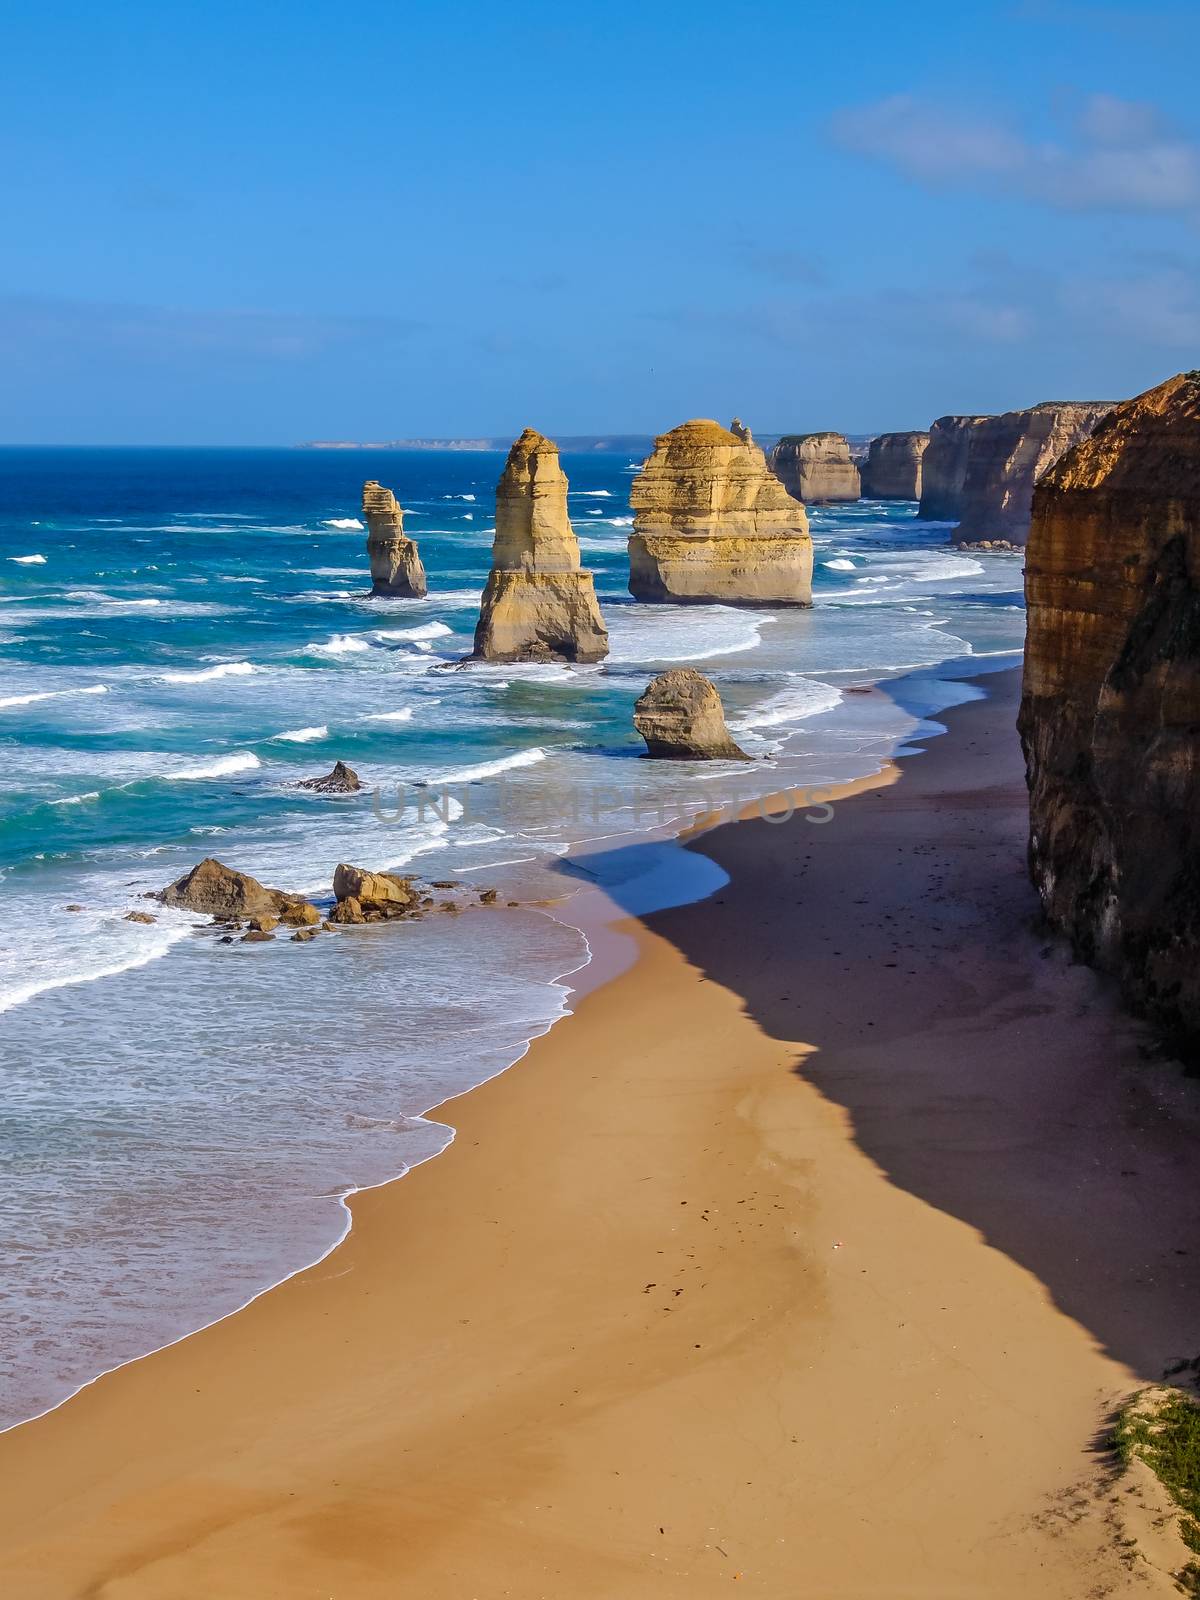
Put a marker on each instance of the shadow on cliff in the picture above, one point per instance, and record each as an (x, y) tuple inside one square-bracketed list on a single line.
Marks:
[(983, 1071)]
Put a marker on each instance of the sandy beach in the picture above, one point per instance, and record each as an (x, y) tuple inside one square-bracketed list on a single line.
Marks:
[(809, 1256)]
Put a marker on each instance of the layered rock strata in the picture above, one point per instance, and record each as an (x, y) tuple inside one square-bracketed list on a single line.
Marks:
[(1006, 457), (944, 467), (680, 716), (539, 605), (395, 562), (1110, 714), (816, 468), (712, 523), (892, 470)]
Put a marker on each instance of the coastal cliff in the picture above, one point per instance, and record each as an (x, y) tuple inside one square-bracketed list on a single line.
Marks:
[(538, 604), (892, 470), (712, 523), (944, 467), (395, 562), (1110, 714), (816, 467), (1007, 455)]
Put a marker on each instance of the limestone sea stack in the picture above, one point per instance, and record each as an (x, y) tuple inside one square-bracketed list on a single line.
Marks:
[(816, 468), (712, 524), (395, 563), (944, 468), (1006, 457), (892, 470), (1110, 714), (680, 716), (538, 604)]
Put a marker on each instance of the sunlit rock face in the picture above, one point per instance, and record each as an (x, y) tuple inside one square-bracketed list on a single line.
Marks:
[(816, 468), (1110, 714), (396, 567), (538, 604), (712, 523), (892, 470), (1008, 455), (944, 467)]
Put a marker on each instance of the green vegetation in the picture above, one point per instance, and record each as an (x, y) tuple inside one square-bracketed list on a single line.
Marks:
[(1163, 1430)]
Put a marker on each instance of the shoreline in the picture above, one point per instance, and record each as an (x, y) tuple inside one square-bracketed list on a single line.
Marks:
[(607, 953), (901, 1388)]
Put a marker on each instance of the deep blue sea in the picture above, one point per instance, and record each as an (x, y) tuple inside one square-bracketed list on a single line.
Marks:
[(186, 633)]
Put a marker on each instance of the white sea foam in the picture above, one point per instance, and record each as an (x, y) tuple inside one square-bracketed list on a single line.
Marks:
[(653, 633), (423, 630), (51, 694), (403, 715), (225, 669), (222, 767), (340, 644), (76, 799), (593, 494), (803, 697), (341, 522), (840, 565), (491, 769), (29, 561), (303, 735)]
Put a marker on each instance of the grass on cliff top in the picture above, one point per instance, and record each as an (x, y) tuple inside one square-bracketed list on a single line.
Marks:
[(1163, 1430)]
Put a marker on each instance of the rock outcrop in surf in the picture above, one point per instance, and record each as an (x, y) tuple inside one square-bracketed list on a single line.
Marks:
[(681, 718), (816, 468), (1007, 455), (396, 567), (712, 523), (342, 780), (539, 604), (1110, 713), (215, 890), (892, 470)]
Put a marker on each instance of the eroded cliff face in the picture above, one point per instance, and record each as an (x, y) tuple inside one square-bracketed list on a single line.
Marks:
[(944, 467), (538, 604), (892, 470), (396, 567), (1110, 714), (713, 524), (1007, 455), (816, 468)]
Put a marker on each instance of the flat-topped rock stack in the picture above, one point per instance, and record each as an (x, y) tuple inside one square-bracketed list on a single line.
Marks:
[(1110, 714), (539, 605), (816, 468), (1007, 455), (944, 467), (892, 470), (395, 562), (712, 523)]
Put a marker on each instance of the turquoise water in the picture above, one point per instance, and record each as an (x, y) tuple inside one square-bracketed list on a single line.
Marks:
[(183, 635)]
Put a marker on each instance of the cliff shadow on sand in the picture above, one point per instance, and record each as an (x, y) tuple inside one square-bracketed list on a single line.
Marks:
[(899, 946)]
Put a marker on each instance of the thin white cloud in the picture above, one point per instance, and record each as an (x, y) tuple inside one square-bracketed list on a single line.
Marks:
[(1119, 155)]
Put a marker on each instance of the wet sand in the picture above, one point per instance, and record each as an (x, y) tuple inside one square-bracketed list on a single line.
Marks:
[(809, 1256)]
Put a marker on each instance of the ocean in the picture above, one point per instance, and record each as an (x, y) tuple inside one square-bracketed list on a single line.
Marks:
[(186, 633)]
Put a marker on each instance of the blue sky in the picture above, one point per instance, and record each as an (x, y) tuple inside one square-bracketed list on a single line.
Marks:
[(264, 223)]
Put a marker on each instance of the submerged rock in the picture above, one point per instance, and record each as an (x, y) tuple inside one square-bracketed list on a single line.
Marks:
[(539, 605), (1110, 713), (219, 891), (713, 524), (1007, 455), (944, 467), (816, 468), (892, 470), (395, 562), (139, 916), (342, 780), (680, 716)]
